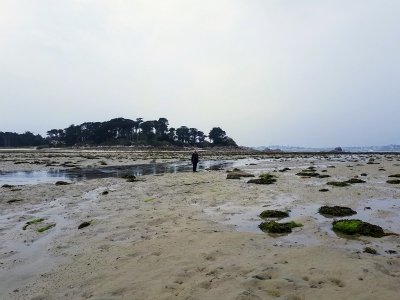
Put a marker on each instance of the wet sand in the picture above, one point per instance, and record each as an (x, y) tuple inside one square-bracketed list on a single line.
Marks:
[(195, 235)]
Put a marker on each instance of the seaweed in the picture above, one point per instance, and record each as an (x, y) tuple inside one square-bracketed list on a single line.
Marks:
[(14, 200), (357, 227), (129, 177), (324, 190), (338, 183), (273, 214), (363, 174), (284, 170), (307, 173), (85, 224), (238, 174), (393, 181), (264, 179), (336, 211), (355, 180), (149, 200), (32, 222), (395, 175), (7, 186), (369, 250), (324, 176), (105, 193), (45, 228), (62, 183), (275, 227)]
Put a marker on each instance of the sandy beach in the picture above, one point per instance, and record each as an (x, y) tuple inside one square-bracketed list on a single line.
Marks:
[(195, 235)]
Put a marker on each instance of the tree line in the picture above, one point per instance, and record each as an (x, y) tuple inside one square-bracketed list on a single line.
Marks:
[(121, 131)]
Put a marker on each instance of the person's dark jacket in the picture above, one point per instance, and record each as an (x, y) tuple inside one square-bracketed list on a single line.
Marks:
[(195, 158)]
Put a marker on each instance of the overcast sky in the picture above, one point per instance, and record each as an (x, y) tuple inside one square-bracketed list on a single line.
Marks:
[(304, 73)]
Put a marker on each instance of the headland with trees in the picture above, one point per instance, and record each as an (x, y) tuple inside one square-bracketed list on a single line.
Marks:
[(121, 132)]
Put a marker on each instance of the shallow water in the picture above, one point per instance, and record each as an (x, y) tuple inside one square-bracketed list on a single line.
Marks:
[(51, 176), (383, 212)]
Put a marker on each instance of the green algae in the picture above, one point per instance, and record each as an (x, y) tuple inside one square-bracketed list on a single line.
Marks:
[(357, 227), (14, 200), (355, 180), (32, 222), (275, 227), (237, 174), (324, 176), (62, 183), (393, 181), (336, 211), (149, 200), (338, 183), (85, 224), (274, 214), (369, 250), (263, 179), (46, 228), (310, 173)]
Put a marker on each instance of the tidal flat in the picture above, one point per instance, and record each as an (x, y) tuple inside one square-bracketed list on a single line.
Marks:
[(184, 235)]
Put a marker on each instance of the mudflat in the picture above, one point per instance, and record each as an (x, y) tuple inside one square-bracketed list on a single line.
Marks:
[(195, 235)]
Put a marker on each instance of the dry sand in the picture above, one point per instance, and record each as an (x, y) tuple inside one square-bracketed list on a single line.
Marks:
[(195, 235)]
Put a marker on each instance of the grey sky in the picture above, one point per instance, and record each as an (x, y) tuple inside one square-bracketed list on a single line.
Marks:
[(307, 73)]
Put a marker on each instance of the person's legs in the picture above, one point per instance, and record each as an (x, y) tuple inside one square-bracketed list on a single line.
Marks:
[(194, 167)]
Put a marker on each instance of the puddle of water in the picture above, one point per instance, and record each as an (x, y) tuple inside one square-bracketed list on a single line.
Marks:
[(383, 212), (51, 176)]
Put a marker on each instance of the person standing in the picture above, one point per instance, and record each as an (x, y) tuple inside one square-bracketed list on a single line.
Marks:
[(195, 160)]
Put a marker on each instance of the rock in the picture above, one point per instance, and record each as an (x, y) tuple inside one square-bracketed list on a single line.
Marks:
[(358, 227), (62, 183), (7, 186), (264, 179), (274, 214), (85, 224), (369, 250), (275, 227), (336, 211)]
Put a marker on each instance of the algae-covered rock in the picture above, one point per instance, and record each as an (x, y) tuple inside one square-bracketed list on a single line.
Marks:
[(336, 211), (393, 181), (395, 175), (8, 186), (275, 227), (85, 224), (62, 183), (274, 214), (338, 183), (363, 174), (308, 173), (357, 227), (355, 180), (324, 176), (104, 193), (284, 170), (14, 200), (129, 177), (238, 174), (324, 190), (369, 250), (263, 179)]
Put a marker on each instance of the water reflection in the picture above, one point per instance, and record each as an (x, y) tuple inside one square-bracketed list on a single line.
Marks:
[(35, 177)]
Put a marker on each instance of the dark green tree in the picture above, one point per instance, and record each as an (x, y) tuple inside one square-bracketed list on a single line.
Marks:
[(216, 135)]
